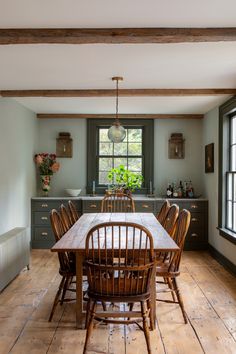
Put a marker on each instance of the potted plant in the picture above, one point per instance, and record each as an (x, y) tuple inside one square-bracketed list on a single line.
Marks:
[(123, 180)]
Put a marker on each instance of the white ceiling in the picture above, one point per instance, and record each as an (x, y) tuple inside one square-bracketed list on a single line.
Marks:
[(113, 13), (199, 65), (148, 105)]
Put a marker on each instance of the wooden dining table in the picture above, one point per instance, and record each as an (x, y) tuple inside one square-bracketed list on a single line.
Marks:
[(74, 241)]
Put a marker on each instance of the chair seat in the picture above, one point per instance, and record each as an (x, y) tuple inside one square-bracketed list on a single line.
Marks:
[(163, 271)]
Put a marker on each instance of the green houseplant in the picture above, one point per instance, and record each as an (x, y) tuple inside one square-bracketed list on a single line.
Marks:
[(123, 180)]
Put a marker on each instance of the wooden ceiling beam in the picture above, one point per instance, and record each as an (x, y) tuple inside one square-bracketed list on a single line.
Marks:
[(114, 35), (122, 92), (112, 116)]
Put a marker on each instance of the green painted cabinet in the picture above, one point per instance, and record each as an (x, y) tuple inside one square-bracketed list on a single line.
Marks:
[(41, 232), (42, 235)]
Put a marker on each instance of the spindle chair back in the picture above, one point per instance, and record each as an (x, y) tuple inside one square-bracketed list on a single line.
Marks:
[(161, 216), (117, 203), (66, 218), (73, 212), (171, 218)]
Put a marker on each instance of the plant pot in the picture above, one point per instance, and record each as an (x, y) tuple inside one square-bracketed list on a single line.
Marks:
[(128, 192), (45, 181)]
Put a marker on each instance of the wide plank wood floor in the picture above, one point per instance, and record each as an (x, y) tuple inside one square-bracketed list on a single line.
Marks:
[(209, 293)]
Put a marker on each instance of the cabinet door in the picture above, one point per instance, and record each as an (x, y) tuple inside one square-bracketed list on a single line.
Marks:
[(41, 218), (48, 205), (43, 237), (91, 206), (145, 206)]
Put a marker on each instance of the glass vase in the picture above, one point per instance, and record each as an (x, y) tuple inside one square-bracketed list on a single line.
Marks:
[(45, 182)]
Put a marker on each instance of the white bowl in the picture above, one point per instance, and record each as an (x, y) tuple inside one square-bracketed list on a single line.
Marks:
[(73, 192)]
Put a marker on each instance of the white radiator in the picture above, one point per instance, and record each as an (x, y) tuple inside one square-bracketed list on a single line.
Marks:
[(14, 254)]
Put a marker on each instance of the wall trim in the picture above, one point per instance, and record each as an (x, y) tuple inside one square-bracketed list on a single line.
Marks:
[(222, 259)]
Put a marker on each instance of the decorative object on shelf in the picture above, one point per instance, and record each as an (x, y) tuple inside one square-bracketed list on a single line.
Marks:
[(181, 190), (73, 192), (64, 145), (47, 165), (123, 180), (116, 132), (209, 158), (151, 189), (176, 146), (46, 180), (94, 189)]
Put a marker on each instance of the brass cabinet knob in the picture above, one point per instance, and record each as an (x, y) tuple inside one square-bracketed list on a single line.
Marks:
[(194, 219), (194, 235), (44, 218), (44, 233), (194, 206), (145, 206), (93, 206)]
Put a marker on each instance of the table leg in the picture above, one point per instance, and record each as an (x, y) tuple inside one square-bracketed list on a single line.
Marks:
[(79, 291)]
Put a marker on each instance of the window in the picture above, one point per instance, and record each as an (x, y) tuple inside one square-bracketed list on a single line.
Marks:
[(227, 170), (135, 152), (231, 178), (127, 153)]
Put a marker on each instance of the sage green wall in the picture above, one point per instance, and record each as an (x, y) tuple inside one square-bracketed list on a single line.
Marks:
[(210, 184), (18, 142), (170, 170), (73, 170), (72, 173)]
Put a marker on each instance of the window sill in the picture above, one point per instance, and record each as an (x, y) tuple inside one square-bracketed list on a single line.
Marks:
[(229, 235)]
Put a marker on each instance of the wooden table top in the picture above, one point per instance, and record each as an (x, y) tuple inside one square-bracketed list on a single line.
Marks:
[(74, 239)]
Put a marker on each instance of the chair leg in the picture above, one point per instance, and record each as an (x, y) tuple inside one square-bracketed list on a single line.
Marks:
[(131, 306), (145, 326), (89, 325), (56, 300), (65, 287), (87, 312), (169, 282), (180, 300), (149, 304), (104, 306)]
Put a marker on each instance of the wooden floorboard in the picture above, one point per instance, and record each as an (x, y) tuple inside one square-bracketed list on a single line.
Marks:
[(209, 293)]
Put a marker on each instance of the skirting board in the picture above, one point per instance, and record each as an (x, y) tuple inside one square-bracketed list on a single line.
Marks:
[(222, 259)]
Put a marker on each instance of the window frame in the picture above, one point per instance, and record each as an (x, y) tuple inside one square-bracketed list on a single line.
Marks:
[(117, 156), (226, 112), (92, 150)]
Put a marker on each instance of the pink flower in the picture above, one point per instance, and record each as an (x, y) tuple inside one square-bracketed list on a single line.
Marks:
[(38, 159), (55, 167)]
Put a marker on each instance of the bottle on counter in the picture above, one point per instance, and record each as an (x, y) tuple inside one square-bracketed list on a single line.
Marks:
[(169, 191), (175, 191), (190, 191), (185, 190), (180, 190)]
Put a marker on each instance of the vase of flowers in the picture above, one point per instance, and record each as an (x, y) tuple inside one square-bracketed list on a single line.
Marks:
[(47, 165)]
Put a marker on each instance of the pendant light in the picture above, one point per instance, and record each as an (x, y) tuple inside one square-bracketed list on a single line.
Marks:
[(116, 132)]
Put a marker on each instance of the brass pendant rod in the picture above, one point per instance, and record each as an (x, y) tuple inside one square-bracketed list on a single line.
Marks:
[(117, 78)]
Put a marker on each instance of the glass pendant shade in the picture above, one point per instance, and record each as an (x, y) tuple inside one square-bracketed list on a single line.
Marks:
[(116, 133)]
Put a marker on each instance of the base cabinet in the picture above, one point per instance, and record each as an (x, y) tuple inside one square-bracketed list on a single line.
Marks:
[(197, 236), (42, 235), (41, 232)]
